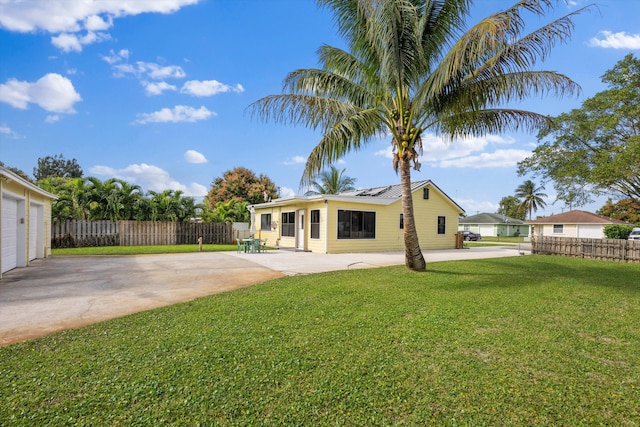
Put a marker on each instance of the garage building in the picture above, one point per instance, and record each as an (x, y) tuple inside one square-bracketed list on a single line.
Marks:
[(25, 221)]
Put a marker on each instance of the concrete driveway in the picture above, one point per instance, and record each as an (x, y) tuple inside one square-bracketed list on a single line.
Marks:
[(66, 292)]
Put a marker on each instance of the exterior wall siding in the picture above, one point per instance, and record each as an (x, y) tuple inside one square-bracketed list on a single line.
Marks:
[(569, 230), (27, 197), (388, 234)]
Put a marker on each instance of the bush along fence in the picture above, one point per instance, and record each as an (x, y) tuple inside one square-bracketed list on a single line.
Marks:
[(603, 249), (79, 233)]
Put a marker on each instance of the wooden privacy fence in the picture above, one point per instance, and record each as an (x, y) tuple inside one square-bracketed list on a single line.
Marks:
[(604, 249), (78, 233)]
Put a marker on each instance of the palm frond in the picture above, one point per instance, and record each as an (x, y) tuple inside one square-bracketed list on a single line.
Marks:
[(346, 136), (307, 110), (478, 123), (498, 89)]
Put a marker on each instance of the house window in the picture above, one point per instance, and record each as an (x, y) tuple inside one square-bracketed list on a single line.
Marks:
[(265, 222), (356, 225), (425, 193), (401, 221), (288, 226), (442, 221), (315, 224), (558, 228)]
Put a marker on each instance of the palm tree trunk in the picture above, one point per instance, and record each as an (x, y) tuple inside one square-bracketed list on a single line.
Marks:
[(413, 255)]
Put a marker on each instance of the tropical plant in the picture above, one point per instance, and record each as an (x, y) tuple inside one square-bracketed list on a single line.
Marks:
[(229, 211), (104, 200), (411, 68), (331, 181), (531, 196), (511, 206), (169, 205)]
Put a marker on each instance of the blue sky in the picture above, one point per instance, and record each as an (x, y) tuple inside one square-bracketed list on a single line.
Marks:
[(155, 92)]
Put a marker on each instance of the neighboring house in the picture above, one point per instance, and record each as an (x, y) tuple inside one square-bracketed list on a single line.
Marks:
[(574, 223), (25, 221), (369, 220), (492, 224)]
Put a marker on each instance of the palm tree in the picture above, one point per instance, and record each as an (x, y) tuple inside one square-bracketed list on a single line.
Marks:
[(531, 197), (331, 182), (409, 69)]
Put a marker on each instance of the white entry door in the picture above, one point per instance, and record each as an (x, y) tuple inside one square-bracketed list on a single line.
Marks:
[(300, 231), (36, 231)]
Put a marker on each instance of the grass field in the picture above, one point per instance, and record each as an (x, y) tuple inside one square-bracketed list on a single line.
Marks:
[(533, 340)]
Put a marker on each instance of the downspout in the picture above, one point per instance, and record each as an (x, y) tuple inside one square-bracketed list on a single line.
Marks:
[(326, 228)]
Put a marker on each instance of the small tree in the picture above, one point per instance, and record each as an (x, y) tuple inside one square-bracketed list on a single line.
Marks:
[(511, 206), (242, 185), (56, 166), (626, 210)]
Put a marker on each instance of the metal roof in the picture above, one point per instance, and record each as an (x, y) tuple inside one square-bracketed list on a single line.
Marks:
[(389, 191), (376, 195)]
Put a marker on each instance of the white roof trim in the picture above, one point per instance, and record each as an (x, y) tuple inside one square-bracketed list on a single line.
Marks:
[(10, 176)]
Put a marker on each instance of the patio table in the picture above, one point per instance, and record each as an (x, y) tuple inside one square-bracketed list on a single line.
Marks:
[(252, 245)]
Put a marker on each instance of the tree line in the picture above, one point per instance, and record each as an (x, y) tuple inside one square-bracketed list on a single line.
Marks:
[(89, 198)]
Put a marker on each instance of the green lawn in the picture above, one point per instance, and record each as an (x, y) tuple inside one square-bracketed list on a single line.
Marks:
[(533, 340)]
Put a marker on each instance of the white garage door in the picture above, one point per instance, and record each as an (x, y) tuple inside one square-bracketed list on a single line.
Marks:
[(486, 230), (590, 231), (9, 234)]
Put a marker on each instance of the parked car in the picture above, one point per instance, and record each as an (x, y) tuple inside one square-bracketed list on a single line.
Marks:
[(635, 234), (470, 235)]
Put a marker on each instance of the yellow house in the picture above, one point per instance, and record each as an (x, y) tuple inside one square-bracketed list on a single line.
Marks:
[(25, 221), (368, 220)]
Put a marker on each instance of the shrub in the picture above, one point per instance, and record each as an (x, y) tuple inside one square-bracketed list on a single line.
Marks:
[(617, 231)]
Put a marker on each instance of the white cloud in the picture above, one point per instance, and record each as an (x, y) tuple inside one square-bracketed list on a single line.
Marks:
[(497, 159), (149, 177), (437, 149), (71, 42), (209, 88), (157, 88), (192, 156), (179, 113), (97, 23), (115, 57), (52, 92), (296, 160), (150, 70), (621, 40), (69, 17), (6, 130), (52, 119), (286, 192), (473, 207)]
